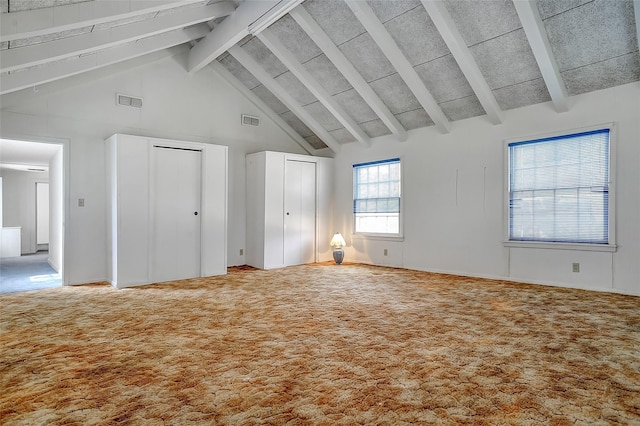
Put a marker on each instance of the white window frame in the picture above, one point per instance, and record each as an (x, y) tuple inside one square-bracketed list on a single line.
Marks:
[(373, 235), (611, 246)]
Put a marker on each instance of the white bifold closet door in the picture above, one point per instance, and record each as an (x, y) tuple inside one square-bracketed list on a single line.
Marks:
[(299, 212), (175, 212)]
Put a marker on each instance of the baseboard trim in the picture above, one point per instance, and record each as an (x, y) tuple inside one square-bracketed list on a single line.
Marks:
[(515, 280), (53, 265)]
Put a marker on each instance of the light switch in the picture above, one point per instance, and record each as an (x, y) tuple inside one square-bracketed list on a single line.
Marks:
[(80, 202)]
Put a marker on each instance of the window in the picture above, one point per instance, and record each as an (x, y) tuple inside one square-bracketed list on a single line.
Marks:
[(559, 189), (376, 197)]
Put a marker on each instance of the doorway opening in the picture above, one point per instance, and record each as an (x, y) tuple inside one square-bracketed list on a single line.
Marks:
[(31, 215)]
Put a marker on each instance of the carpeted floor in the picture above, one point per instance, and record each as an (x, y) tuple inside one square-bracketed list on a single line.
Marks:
[(320, 344), (27, 272)]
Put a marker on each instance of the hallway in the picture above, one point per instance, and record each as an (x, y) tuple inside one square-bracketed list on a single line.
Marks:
[(28, 272)]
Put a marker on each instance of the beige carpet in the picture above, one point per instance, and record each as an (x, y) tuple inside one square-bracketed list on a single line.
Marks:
[(320, 344)]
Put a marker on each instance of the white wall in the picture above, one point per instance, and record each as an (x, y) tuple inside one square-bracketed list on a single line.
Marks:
[(42, 213), (462, 231), (19, 203), (198, 107)]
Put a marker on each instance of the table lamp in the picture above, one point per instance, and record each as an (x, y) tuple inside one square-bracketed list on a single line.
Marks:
[(337, 242)]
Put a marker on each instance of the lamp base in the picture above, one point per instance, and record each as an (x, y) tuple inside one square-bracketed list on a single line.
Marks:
[(338, 255)]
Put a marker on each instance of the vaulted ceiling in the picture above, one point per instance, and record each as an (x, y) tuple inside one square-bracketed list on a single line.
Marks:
[(331, 72)]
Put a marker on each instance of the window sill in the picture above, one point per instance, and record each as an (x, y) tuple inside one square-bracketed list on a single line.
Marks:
[(382, 237), (561, 246)]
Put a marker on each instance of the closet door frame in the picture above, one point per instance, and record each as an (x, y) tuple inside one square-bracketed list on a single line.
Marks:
[(287, 208), (156, 150), (307, 159), (209, 173)]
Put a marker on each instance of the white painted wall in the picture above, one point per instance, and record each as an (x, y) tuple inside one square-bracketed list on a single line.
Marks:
[(199, 107), (19, 203), (56, 208), (463, 234), (42, 213)]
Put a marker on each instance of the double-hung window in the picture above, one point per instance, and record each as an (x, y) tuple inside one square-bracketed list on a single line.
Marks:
[(559, 189), (377, 197)]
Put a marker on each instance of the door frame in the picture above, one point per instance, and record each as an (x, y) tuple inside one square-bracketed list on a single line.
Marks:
[(193, 146), (66, 194), (185, 146), (315, 206), (308, 159)]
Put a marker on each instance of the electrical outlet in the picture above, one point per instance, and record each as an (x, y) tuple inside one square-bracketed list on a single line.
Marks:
[(80, 202), (576, 267), (241, 252), (385, 252)]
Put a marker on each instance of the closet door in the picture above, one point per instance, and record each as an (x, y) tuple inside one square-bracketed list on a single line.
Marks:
[(175, 212), (299, 212)]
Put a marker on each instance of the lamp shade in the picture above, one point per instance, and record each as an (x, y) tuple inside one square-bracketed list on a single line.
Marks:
[(337, 240)]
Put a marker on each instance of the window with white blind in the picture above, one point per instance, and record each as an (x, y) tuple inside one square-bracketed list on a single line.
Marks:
[(377, 197), (559, 189)]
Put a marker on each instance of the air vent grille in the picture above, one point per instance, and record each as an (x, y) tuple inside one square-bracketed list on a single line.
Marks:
[(249, 120), (130, 101)]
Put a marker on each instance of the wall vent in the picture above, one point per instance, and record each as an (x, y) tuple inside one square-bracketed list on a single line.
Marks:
[(249, 120), (130, 101)]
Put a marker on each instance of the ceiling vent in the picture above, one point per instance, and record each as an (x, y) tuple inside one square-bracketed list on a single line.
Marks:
[(130, 101), (249, 120)]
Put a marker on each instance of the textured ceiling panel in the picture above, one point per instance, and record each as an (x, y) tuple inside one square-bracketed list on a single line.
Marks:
[(323, 70), (549, 8), (4, 6), (612, 72), (270, 99), (522, 94), (295, 39), (478, 21), (367, 58), (417, 36), (20, 5), (49, 37), (355, 106), (246, 39), (386, 10), (120, 22), (594, 32), (414, 119), (375, 128), (292, 120), (335, 18), (323, 116), (240, 72), (444, 79), (342, 135), (459, 109), (395, 94), (506, 60), (264, 57), (315, 142), (189, 6), (295, 88)]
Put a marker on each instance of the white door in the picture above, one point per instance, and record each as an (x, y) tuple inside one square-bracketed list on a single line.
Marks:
[(175, 192), (299, 212)]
